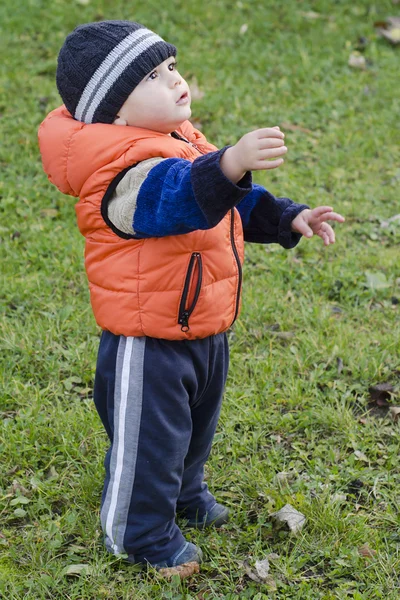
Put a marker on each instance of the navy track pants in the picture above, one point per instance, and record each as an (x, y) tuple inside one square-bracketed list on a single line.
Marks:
[(159, 401)]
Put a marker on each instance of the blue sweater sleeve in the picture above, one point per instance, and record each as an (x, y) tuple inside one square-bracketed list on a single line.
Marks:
[(267, 219), (178, 196)]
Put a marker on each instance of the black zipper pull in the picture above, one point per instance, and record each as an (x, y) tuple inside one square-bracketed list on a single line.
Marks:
[(184, 321)]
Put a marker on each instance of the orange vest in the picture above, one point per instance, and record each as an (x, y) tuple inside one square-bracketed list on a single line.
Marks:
[(176, 287)]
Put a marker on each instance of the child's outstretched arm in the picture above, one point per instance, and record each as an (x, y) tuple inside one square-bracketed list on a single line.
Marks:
[(267, 219)]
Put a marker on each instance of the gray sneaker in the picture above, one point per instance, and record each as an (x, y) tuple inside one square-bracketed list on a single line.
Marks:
[(217, 516), (186, 553)]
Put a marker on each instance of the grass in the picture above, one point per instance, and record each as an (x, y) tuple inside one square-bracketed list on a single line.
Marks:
[(318, 326)]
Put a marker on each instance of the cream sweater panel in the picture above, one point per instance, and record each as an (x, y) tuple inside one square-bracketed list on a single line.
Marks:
[(122, 205)]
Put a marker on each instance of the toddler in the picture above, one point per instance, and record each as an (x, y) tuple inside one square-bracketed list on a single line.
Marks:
[(164, 214)]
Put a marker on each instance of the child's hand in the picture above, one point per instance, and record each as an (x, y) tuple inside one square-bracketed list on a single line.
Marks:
[(313, 221), (254, 152)]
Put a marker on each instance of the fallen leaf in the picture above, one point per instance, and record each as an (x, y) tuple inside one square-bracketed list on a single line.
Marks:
[(339, 497), (389, 29), (17, 487), (310, 14), (366, 551), (183, 571), (361, 456), (262, 568), (78, 569), (339, 365), (52, 473), (250, 573), (283, 477), (381, 393), (263, 577), (395, 413), (376, 280), (19, 500), (394, 219), (357, 61), (289, 517), (273, 556), (284, 335)]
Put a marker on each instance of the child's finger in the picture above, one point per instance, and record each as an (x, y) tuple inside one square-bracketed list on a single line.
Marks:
[(269, 164), (320, 210), (333, 216), (272, 153), (304, 229), (328, 233), (270, 132), (326, 213), (269, 142)]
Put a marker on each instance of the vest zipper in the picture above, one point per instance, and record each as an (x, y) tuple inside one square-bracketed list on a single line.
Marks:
[(180, 137), (236, 255), (185, 312)]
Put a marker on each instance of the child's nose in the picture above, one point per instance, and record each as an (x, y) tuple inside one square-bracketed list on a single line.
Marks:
[(176, 79)]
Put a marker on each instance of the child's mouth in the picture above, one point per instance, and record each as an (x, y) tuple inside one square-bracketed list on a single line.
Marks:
[(184, 99)]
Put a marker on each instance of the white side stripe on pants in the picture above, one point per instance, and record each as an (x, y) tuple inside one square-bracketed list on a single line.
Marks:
[(127, 412)]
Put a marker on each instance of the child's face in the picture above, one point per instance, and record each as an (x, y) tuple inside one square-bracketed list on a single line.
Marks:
[(160, 102)]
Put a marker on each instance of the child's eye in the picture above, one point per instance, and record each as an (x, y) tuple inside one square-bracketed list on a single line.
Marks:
[(172, 66), (151, 75)]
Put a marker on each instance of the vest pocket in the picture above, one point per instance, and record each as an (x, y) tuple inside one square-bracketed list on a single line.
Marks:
[(191, 290)]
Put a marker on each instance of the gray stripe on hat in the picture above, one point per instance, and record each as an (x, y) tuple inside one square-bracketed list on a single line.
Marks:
[(111, 68), (128, 396)]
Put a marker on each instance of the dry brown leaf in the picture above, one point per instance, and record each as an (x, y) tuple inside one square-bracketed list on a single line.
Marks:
[(381, 393), (184, 571), (389, 29), (395, 413), (366, 551)]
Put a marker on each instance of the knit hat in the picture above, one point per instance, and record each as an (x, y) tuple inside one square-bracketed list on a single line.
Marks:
[(100, 64)]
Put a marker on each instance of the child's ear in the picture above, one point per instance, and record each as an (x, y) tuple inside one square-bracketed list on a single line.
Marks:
[(120, 121)]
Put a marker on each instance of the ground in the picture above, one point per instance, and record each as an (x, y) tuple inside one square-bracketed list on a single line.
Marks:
[(319, 326)]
